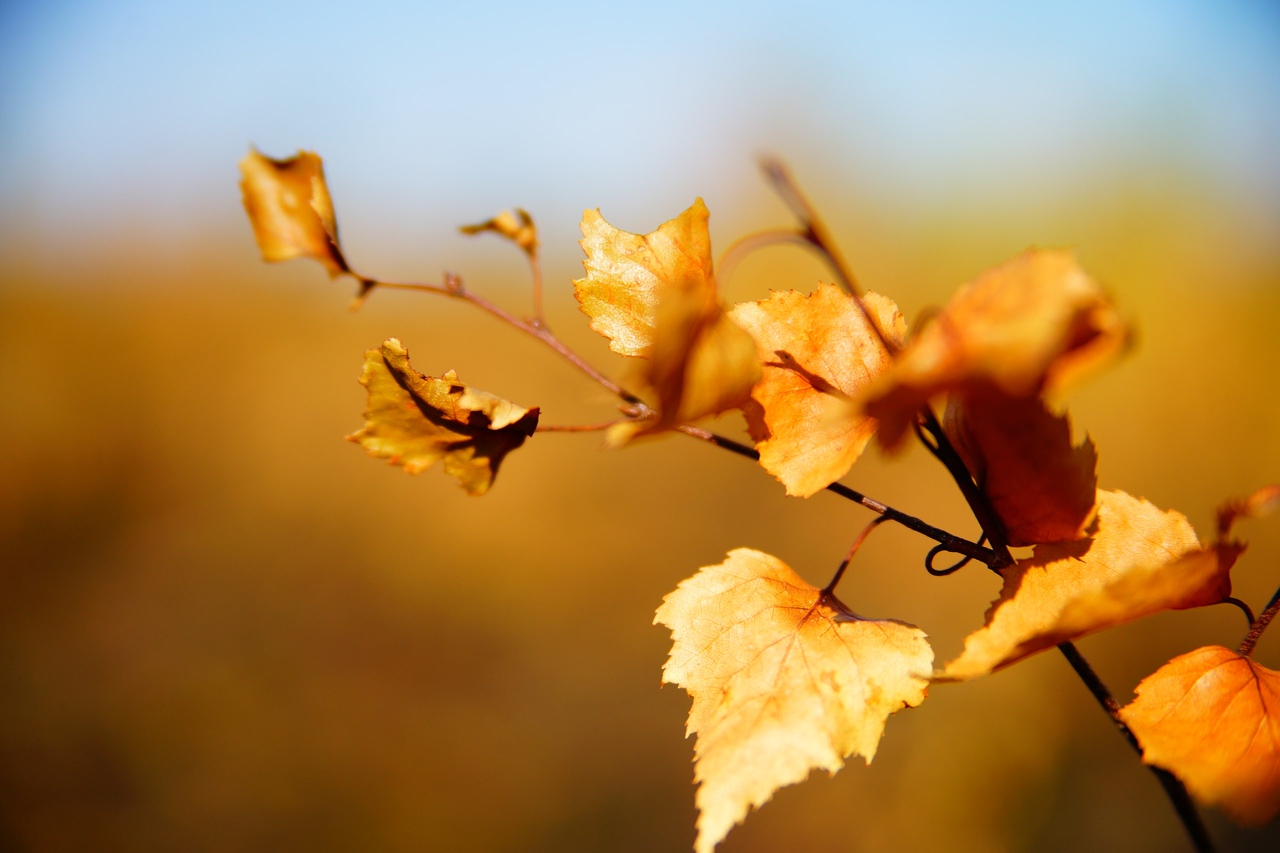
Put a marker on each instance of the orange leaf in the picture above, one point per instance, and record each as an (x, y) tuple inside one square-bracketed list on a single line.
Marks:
[(289, 207), (517, 227), (1138, 561), (1262, 502), (1027, 327), (819, 351), (626, 274), (1212, 718), (1041, 487), (783, 681), (416, 420), (654, 296)]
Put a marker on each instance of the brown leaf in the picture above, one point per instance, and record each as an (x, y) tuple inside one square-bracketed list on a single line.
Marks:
[(818, 352), (1027, 327), (289, 207), (517, 227), (1138, 561), (1262, 502), (1040, 485), (654, 296), (783, 681), (1212, 718), (415, 420)]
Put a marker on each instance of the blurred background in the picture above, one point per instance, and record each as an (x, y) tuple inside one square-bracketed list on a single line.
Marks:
[(224, 628)]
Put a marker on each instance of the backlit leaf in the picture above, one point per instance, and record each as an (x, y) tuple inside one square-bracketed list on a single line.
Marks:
[(818, 353), (783, 681), (415, 420), (517, 227), (1212, 718), (1138, 560), (1027, 327), (1041, 486), (289, 207)]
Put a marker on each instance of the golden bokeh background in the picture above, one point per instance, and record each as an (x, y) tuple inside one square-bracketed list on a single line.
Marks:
[(224, 628)]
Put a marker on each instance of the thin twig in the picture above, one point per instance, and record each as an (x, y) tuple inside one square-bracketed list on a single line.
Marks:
[(1259, 625), (1183, 805), (952, 542), (575, 427)]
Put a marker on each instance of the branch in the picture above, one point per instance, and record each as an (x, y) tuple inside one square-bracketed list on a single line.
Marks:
[(1173, 787), (1259, 625)]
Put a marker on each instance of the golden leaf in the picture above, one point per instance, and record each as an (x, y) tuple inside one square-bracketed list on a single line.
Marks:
[(289, 207), (818, 352), (654, 296), (416, 420), (517, 227), (1027, 327), (1040, 485), (1212, 718), (1138, 561), (626, 272), (783, 680)]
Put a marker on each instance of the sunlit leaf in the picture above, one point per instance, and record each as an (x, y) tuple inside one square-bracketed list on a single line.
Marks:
[(1138, 560), (415, 420), (783, 681), (517, 227), (818, 352), (1027, 327), (289, 207), (1041, 485), (1212, 718)]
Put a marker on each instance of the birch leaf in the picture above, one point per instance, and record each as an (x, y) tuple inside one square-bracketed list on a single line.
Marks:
[(289, 207), (415, 421), (783, 680)]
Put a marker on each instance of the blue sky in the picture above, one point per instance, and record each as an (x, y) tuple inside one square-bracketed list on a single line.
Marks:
[(430, 114)]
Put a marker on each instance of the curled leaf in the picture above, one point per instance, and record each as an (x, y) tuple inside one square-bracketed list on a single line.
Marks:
[(1021, 456), (818, 353), (783, 680), (517, 227), (1027, 327), (1212, 718), (1138, 560), (289, 207), (1262, 502), (415, 420)]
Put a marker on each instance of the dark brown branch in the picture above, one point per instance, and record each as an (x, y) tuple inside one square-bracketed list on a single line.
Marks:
[(1259, 625), (1173, 787)]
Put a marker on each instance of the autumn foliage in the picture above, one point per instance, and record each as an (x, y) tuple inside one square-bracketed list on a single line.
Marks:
[(786, 677)]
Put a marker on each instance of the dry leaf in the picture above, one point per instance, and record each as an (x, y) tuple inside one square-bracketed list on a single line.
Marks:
[(818, 352), (1212, 718), (1027, 327), (654, 296), (1262, 502), (1040, 485), (517, 227), (1138, 561), (289, 207), (783, 681), (626, 273), (415, 420)]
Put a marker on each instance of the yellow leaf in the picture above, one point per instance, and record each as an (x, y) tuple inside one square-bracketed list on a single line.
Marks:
[(1212, 718), (818, 353), (1021, 456), (416, 420), (654, 296), (783, 680), (1138, 561), (1027, 327), (289, 207), (517, 227), (626, 274)]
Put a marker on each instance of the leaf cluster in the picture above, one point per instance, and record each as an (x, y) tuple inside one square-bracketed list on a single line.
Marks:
[(784, 676)]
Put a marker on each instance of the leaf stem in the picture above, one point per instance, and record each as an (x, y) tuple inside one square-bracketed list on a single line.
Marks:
[(1259, 625), (1183, 805), (857, 543)]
